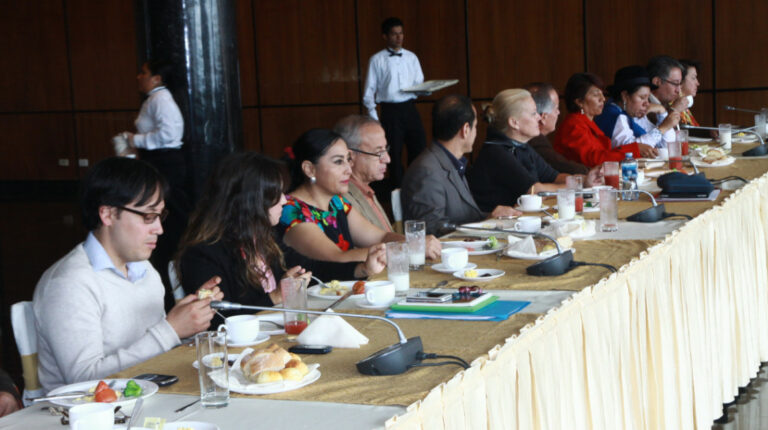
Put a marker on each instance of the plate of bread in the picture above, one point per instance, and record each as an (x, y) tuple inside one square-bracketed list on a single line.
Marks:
[(712, 157), (268, 370)]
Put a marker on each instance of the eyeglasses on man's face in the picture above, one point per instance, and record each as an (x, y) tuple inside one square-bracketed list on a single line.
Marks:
[(673, 83), (149, 217), (379, 154)]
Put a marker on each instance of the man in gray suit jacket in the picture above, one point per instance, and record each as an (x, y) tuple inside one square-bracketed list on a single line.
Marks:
[(434, 187)]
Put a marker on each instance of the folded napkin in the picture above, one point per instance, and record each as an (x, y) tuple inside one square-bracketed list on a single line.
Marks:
[(332, 331), (523, 245), (574, 228)]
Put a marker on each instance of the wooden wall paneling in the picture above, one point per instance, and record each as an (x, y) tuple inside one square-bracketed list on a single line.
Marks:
[(34, 58), (306, 51), (103, 53), (251, 140), (247, 60), (740, 36), (94, 131), (434, 32), (624, 33), (33, 144), (514, 42), (743, 99), (702, 109), (282, 126)]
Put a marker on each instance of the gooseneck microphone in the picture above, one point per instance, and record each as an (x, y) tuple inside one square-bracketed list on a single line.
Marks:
[(741, 109), (392, 360), (654, 213), (754, 152)]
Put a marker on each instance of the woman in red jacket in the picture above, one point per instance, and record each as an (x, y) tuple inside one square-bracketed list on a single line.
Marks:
[(579, 138)]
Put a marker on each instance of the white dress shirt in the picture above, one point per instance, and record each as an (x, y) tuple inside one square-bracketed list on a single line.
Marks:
[(159, 124), (387, 75), (623, 134)]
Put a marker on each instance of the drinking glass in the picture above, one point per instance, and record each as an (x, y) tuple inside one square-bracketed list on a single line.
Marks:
[(675, 155), (611, 174), (576, 183), (294, 292), (415, 237), (682, 137), (397, 266), (725, 135), (212, 363), (566, 203), (760, 122), (609, 210)]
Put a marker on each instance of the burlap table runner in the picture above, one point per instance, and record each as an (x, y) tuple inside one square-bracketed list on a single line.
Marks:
[(340, 382)]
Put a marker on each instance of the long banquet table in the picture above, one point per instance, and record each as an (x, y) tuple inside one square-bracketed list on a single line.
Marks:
[(663, 343)]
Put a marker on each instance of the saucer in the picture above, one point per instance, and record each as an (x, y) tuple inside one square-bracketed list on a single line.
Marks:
[(262, 337), (542, 208), (442, 269), (490, 274), (365, 305)]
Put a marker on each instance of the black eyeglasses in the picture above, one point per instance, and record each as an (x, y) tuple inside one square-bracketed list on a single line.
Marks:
[(674, 84), (379, 154), (149, 217)]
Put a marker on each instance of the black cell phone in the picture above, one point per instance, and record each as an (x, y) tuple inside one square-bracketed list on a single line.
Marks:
[(161, 380), (310, 349)]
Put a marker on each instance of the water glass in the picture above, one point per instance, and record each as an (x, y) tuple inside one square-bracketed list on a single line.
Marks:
[(682, 137), (609, 210), (294, 293), (576, 183), (212, 363), (397, 266), (724, 131), (760, 122), (611, 174), (566, 204), (415, 237)]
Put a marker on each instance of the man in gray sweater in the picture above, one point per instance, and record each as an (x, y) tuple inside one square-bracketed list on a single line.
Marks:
[(99, 309)]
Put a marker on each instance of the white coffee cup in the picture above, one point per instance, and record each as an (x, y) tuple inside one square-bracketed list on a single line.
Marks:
[(241, 328), (92, 416), (528, 224), (454, 258), (663, 154), (529, 202), (379, 293)]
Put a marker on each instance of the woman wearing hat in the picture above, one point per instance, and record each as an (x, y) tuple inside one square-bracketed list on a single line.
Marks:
[(624, 119)]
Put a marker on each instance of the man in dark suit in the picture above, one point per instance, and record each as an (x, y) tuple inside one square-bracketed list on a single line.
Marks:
[(434, 188)]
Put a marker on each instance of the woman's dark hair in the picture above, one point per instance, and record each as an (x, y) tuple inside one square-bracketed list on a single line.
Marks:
[(162, 68), (577, 87), (688, 64), (310, 146), (118, 181), (234, 208)]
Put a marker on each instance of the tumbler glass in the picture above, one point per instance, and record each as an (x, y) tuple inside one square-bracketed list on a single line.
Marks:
[(294, 292), (212, 363), (609, 210), (415, 237), (566, 204), (397, 266)]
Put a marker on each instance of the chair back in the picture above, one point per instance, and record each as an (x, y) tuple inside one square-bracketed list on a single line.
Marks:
[(397, 211), (25, 333), (178, 291)]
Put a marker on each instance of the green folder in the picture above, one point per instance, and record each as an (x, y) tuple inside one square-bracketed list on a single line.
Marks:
[(476, 304)]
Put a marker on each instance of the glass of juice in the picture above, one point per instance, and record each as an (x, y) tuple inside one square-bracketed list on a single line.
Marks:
[(682, 137), (576, 183), (294, 292), (611, 174), (675, 155)]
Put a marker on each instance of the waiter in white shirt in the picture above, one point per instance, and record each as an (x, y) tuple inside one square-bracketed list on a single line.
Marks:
[(389, 71)]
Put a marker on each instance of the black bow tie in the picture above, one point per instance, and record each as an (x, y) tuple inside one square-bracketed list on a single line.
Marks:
[(394, 54)]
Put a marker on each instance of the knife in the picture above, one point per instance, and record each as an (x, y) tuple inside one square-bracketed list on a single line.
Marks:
[(69, 395), (341, 299)]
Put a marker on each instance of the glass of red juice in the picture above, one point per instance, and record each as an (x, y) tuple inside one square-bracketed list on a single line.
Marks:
[(675, 155), (611, 174), (576, 183), (294, 292), (682, 137)]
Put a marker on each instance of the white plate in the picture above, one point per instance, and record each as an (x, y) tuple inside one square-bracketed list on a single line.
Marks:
[(197, 425), (262, 337), (465, 243), (314, 291), (493, 223), (239, 384), (486, 251), (442, 269), (365, 305), (229, 357), (148, 388), (747, 138), (699, 139), (542, 208), (492, 272), (697, 161)]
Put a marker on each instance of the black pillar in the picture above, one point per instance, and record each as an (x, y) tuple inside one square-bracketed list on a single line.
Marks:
[(200, 38)]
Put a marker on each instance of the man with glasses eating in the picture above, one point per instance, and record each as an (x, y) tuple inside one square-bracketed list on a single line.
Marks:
[(666, 74), (99, 309)]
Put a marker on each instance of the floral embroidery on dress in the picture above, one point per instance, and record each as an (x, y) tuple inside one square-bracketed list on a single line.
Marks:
[(296, 211)]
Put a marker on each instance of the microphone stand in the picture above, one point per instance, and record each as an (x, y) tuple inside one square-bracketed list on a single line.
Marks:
[(654, 213), (754, 152), (741, 109), (392, 360)]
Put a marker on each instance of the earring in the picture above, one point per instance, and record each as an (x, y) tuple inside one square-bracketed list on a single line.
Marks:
[(625, 105), (582, 111), (312, 180)]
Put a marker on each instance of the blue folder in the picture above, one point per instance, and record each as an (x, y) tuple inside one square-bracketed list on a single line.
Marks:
[(497, 311)]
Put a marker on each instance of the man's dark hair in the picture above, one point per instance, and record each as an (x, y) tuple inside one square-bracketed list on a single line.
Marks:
[(118, 181), (540, 92), (390, 22), (661, 65), (449, 115), (163, 68)]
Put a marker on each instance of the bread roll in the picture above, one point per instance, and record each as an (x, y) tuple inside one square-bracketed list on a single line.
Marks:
[(291, 374), (268, 376), (259, 362), (298, 365)]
